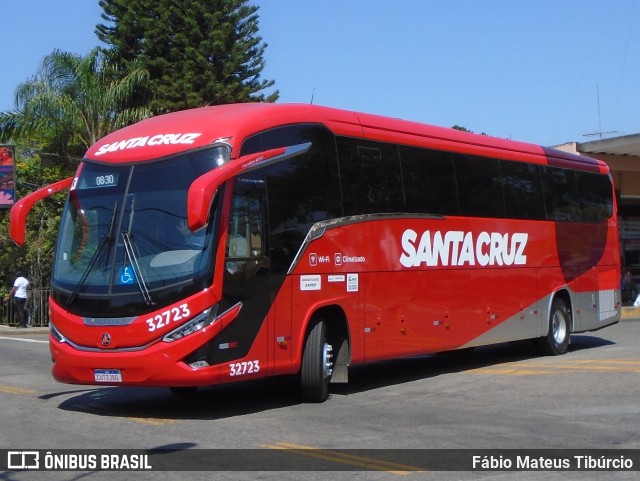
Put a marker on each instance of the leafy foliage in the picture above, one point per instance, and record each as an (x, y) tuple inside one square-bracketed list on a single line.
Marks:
[(35, 259), (197, 53), (60, 112), (163, 55), (71, 103)]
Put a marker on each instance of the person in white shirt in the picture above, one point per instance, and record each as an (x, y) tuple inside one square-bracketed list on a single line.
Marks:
[(19, 294)]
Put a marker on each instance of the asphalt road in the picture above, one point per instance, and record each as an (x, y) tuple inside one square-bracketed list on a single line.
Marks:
[(502, 397)]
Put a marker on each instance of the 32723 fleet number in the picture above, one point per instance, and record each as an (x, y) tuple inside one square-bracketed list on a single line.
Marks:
[(165, 318), (245, 367)]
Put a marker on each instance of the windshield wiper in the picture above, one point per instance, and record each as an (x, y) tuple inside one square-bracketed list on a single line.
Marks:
[(138, 273), (105, 242), (109, 236)]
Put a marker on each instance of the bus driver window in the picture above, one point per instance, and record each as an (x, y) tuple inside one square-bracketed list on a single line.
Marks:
[(239, 234), (245, 253), (238, 246)]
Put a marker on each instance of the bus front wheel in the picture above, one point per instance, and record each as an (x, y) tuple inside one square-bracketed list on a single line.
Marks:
[(317, 364), (556, 342)]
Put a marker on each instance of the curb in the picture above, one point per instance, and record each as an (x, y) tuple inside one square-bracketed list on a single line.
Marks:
[(16, 331), (630, 312)]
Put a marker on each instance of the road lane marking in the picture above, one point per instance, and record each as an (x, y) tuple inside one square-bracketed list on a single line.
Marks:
[(567, 367), (344, 458), (102, 410), (23, 339), (512, 372), (152, 421), (16, 389), (633, 362)]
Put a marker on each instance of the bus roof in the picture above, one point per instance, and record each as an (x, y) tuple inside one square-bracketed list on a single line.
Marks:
[(171, 133)]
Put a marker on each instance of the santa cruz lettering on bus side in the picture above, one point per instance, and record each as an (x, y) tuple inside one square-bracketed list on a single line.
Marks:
[(459, 248)]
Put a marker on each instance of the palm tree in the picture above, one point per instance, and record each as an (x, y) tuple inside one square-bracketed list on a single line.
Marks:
[(68, 105), (72, 102)]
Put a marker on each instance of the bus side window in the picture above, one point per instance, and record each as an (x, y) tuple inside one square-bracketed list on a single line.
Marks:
[(245, 250), (596, 196), (479, 186), (238, 244), (429, 181), (522, 188), (370, 175), (560, 194)]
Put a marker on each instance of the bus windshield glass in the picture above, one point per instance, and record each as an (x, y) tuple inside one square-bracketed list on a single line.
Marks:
[(124, 233)]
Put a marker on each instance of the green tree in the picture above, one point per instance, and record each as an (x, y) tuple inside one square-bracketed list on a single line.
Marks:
[(60, 112), (35, 258), (197, 53), (71, 103)]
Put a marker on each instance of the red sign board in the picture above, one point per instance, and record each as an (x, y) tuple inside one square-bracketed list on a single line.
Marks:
[(7, 176)]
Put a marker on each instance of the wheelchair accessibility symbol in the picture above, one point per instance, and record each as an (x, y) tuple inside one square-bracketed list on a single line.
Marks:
[(126, 274)]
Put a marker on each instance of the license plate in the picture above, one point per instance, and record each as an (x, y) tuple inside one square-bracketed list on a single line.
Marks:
[(107, 375)]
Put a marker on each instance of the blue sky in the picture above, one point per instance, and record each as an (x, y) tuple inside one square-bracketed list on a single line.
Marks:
[(521, 69)]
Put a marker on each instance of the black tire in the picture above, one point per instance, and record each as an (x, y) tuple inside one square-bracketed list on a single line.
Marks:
[(556, 342), (317, 365)]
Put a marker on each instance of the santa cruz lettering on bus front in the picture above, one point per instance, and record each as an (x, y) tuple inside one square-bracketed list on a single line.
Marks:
[(459, 248), (160, 139)]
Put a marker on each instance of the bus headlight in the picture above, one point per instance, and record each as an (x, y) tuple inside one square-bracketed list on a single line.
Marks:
[(55, 333), (202, 320)]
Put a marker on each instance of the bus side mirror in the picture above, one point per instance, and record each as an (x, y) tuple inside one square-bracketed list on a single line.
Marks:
[(20, 210), (204, 188)]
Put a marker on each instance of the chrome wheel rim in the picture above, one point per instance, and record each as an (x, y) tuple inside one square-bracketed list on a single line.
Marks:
[(327, 360), (559, 327)]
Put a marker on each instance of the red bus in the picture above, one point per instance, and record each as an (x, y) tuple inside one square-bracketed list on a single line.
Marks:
[(242, 241)]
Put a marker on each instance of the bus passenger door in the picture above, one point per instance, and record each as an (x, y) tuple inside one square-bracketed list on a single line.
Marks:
[(246, 276)]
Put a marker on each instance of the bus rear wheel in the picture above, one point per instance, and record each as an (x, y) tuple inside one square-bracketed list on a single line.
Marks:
[(317, 364), (556, 342)]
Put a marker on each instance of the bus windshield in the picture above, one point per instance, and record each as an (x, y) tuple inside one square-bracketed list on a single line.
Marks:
[(124, 239)]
